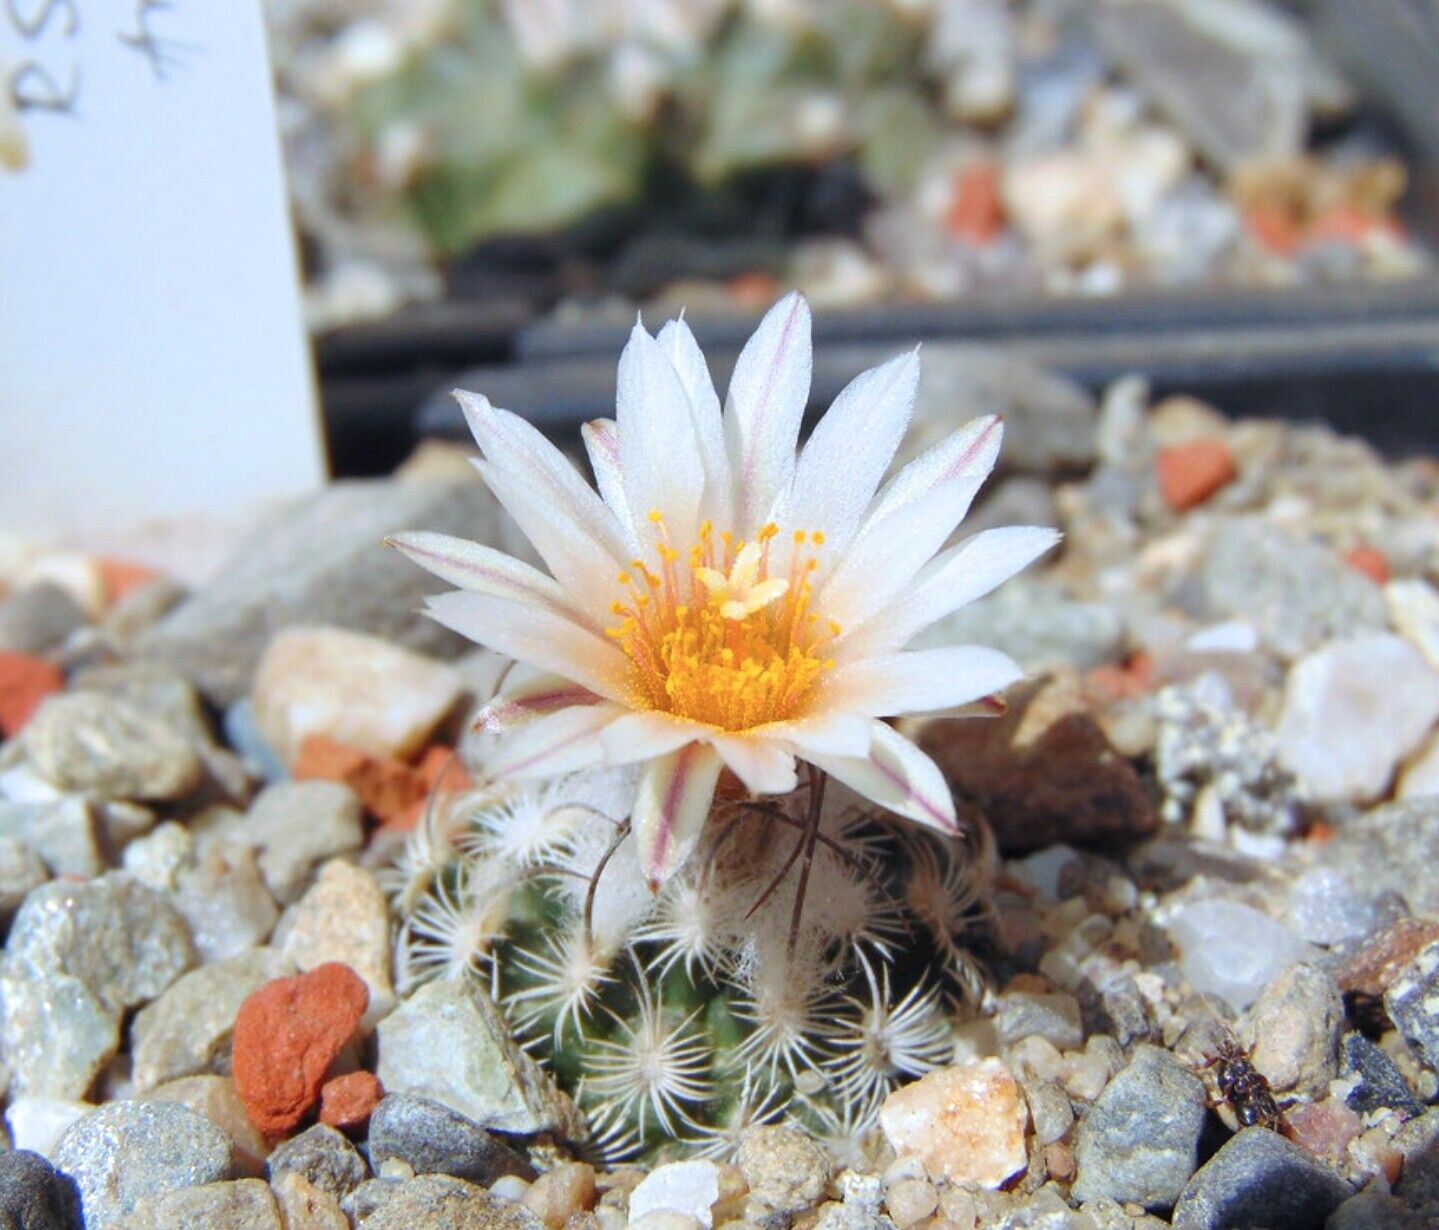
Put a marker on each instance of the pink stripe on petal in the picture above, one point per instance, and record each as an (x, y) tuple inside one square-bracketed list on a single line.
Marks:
[(505, 712), (672, 807), (558, 743)]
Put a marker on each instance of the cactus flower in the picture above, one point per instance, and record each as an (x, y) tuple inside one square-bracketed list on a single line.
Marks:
[(726, 599)]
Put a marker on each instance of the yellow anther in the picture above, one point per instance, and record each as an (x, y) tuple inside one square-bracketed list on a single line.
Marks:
[(624, 579), (656, 516), (817, 538), (721, 641)]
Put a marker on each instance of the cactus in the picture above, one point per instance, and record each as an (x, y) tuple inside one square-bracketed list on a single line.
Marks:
[(512, 127), (783, 971)]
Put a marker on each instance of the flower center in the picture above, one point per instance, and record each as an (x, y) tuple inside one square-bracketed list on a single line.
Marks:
[(722, 641)]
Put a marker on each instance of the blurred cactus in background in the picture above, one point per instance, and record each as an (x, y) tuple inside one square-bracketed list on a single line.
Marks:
[(776, 975), (525, 117)]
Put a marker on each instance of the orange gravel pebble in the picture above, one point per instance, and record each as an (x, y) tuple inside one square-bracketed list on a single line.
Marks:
[(391, 790), (1371, 561), (348, 1101), (1190, 473), (25, 681), (976, 212), (287, 1035)]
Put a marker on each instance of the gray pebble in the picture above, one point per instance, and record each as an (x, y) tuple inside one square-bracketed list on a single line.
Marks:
[(126, 1151), (321, 560), (1391, 849), (84, 741), (63, 832), (1297, 593), (187, 1030), (433, 1139), (246, 1204), (438, 1202), (1140, 1141), (78, 956), (1418, 1186), (121, 939), (1053, 1016), (1375, 1210), (21, 871), (1260, 1179), (324, 1157), (296, 826), (222, 896), (38, 618), (158, 691), (1412, 1002), (448, 1042), (1036, 624), (34, 1197)]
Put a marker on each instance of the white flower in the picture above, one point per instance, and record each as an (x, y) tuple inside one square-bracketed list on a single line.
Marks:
[(724, 602)]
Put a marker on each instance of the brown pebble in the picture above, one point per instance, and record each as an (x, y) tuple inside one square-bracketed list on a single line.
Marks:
[(560, 1193), (1059, 1161), (1371, 970)]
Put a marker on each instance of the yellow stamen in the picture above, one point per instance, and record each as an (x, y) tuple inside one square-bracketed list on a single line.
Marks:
[(721, 641)]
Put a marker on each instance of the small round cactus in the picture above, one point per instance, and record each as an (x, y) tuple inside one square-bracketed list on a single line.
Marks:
[(785, 971)]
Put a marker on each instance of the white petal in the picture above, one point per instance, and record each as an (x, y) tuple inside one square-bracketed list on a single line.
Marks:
[(586, 570), (825, 734), (602, 443), (953, 579), (767, 398), (575, 533), (673, 804), (646, 734), (851, 448), (561, 742), (762, 764), (539, 695), (898, 776), (536, 636), (659, 453), (684, 354), (481, 569), (883, 560), (968, 454), (919, 682)]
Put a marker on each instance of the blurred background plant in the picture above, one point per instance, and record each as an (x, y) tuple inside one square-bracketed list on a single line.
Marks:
[(861, 149)]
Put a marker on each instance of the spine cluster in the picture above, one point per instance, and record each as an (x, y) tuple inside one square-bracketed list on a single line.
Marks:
[(693, 1014)]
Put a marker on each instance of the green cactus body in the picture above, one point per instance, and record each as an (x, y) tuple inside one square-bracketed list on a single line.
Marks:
[(680, 1019)]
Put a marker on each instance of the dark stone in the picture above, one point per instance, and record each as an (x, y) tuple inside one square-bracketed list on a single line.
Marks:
[(1260, 1179), (35, 1196), (1412, 1002), (1418, 1186), (1140, 1141), (1062, 783), (433, 1139), (1374, 1210), (1381, 1084), (324, 1157)]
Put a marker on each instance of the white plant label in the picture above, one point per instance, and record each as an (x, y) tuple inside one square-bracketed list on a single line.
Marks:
[(153, 361)]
